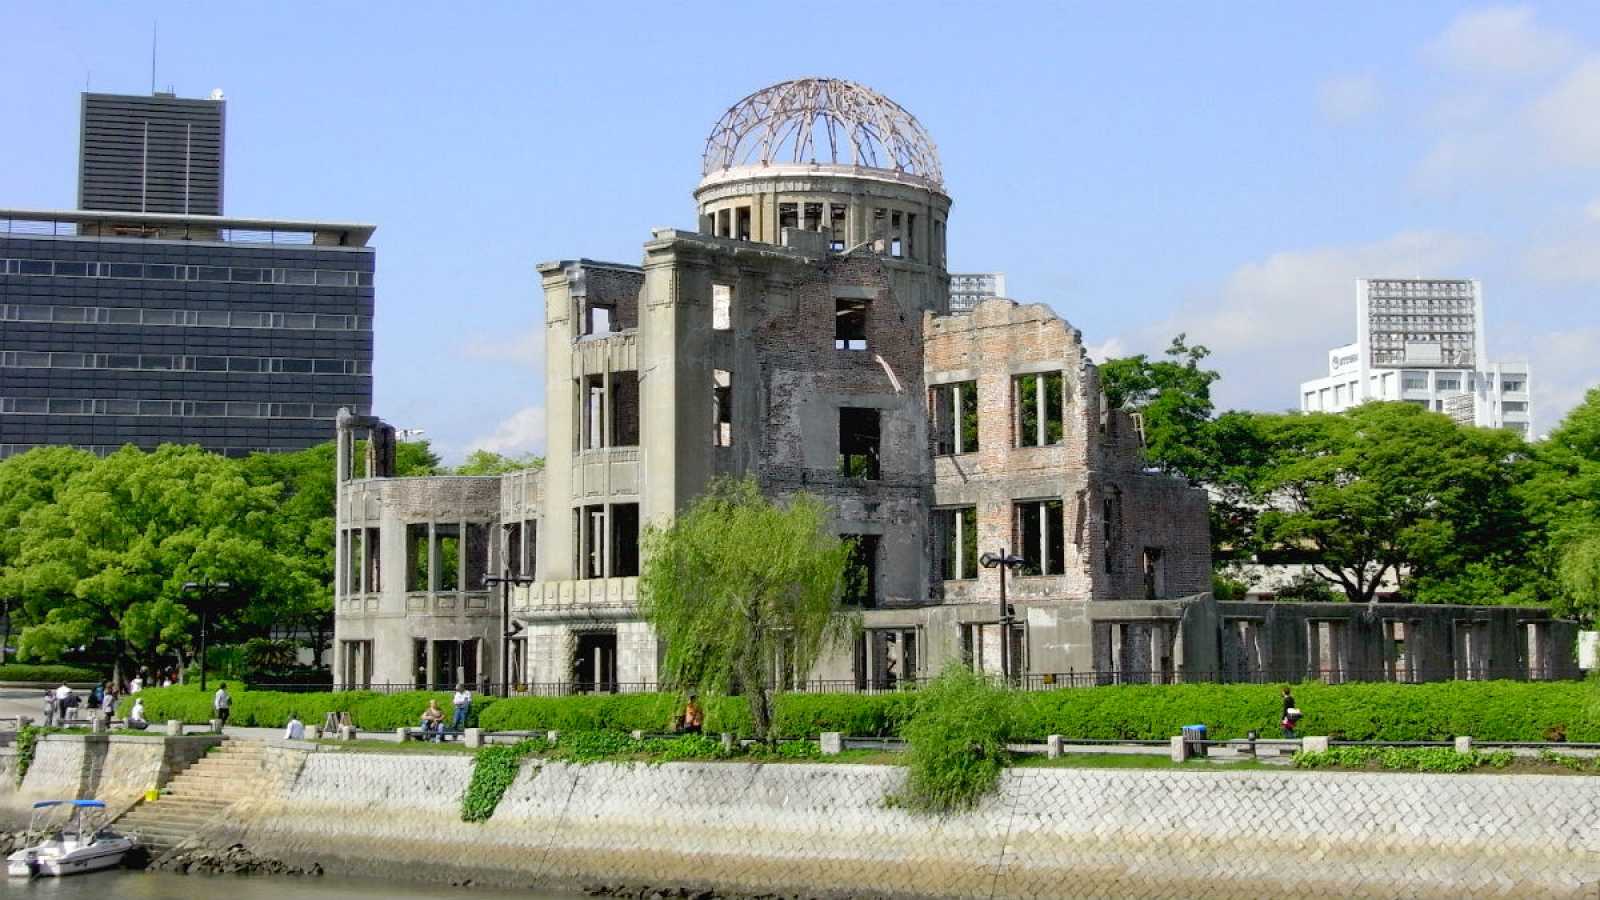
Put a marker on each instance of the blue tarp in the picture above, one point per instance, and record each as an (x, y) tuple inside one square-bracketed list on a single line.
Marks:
[(96, 804)]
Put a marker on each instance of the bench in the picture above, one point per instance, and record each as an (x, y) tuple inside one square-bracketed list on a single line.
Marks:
[(417, 734)]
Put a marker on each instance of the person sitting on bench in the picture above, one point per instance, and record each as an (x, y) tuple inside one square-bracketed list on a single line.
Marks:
[(432, 720)]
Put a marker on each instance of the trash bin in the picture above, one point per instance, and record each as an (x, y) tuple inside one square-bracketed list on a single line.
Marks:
[(1194, 734)]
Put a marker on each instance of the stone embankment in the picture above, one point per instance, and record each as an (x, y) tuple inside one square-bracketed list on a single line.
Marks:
[(824, 830)]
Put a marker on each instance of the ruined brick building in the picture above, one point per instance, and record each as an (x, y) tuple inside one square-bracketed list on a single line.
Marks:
[(800, 334)]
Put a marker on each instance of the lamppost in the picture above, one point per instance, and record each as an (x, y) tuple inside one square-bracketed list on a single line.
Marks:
[(508, 628), (206, 590), (1003, 561)]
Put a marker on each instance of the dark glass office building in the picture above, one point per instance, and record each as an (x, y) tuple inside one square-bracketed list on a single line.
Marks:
[(128, 327)]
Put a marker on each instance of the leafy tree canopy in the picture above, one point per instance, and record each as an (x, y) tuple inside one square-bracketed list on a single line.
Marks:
[(487, 462), (1173, 396), (739, 585)]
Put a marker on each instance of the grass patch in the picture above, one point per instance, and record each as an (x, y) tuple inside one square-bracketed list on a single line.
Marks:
[(368, 745)]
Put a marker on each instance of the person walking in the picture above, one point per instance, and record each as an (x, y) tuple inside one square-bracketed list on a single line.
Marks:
[(462, 702), (49, 709), (108, 701), (221, 702), (63, 704), (1291, 714), (136, 685)]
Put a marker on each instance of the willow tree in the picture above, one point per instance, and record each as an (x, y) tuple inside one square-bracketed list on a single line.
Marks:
[(741, 588)]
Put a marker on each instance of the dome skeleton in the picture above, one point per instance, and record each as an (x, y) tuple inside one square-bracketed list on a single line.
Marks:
[(858, 127)]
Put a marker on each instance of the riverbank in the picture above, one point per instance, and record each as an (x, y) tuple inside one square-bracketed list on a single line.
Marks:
[(828, 830)]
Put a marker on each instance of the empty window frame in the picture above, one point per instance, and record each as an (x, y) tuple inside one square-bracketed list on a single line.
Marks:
[(447, 557), (835, 226), (624, 399), (721, 307), (741, 223), (859, 443), (788, 215), (849, 324), (372, 563), (1040, 536), (721, 408), (607, 544), (861, 575), (512, 535), (954, 414), (590, 545), (955, 534), (1155, 573), (521, 548), (1037, 402), (596, 318), (592, 405), (624, 527), (477, 557), (417, 557)]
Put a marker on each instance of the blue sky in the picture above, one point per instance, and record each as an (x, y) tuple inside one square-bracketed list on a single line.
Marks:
[(1222, 169)]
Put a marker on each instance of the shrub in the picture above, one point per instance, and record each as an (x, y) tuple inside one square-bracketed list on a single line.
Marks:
[(24, 672), (493, 771), (957, 735), (1417, 759), (270, 709)]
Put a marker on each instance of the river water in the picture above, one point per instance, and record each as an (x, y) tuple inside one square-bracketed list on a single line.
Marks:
[(127, 885)]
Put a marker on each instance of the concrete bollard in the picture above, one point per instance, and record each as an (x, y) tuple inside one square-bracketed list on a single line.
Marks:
[(727, 742), (1179, 749), (402, 734), (552, 737), (832, 743), (472, 737), (24, 722), (1052, 746), (174, 728), (347, 732), (97, 724), (1314, 745), (216, 725), (637, 734), (1463, 744), (313, 733)]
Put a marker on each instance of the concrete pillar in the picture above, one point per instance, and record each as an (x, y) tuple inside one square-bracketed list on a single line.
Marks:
[(347, 732), (1463, 744), (401, 734), (1314, 744), (552, 737), (24, 722), (174, 728), (1053, 746), (97, 723), (727, 742), (313, 733), (832, 743), (473, 737), (1179, 749), (215, 725), (637, 735)]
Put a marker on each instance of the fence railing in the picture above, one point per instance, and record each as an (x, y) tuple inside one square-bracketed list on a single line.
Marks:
[(1033, 681)]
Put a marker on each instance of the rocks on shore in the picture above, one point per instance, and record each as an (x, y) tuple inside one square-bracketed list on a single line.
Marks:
[(234, 860)]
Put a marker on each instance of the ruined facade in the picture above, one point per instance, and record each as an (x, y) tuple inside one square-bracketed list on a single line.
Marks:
[(801, 335)]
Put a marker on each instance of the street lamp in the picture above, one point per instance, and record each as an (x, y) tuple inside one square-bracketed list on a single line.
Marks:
[(206, 590), (508, 629), (1003, 561)]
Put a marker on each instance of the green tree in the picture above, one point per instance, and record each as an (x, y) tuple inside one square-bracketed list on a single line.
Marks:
[(487, 462), (1561, 493), (29, 481), (1579, 577), (1173, 397), (738, 586), (1389, 489), (108, 558)]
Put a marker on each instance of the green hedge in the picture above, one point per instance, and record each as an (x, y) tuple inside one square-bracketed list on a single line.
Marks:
[(271, 709), (23, 672), (1486, 710)]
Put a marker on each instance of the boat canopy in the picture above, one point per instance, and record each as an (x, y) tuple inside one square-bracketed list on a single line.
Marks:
[(92, 804)]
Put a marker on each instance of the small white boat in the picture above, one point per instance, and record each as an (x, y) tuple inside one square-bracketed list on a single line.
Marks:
[(83, 842)]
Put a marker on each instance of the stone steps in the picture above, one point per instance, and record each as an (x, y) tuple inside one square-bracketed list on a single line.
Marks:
[(196, 796)]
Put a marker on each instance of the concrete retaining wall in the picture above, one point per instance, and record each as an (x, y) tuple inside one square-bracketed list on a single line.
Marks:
[(826, 829), (1048, 833), (113, 768)]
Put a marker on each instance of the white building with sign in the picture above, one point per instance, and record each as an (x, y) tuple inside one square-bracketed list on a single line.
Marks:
[(1420, 340)]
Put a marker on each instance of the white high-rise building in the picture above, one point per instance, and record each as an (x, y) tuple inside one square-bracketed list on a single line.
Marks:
[(1420, 340), (968, 289)]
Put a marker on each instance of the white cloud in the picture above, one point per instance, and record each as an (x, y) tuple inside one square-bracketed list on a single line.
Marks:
[(1499, 41), (522, 432), (524, 348), (1458, 159), (1592, 211), (1347, 98), (1576, 259), (1110, 348), (1567, 118), (1270, 324)]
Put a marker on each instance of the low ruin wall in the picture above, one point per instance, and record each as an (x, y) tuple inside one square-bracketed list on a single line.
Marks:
[(826, 829)]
